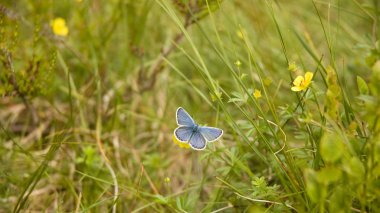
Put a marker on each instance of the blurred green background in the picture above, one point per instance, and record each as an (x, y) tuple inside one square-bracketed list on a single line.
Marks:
[(89, 91)]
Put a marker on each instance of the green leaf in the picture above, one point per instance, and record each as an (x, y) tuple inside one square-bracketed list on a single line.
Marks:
[(355, 168), (339, 202), (370, 60), (238, 97), (331, 147), (161, 199), (259, 182), (312, 186), (328, 175), (362, 86)]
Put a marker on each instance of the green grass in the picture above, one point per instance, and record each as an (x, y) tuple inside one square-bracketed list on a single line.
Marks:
[(87, 119)]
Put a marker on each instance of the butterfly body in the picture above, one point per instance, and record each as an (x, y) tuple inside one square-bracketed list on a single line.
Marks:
[(190, 132), (195, 128)]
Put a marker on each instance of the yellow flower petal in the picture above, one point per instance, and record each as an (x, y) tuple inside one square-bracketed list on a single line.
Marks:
[(179, 143), (59, 27), (298, 81), (257, 94), (296, 88), (302, 83), (308, 77)]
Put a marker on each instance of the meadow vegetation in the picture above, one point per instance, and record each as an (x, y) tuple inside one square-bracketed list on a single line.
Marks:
[(89, 91)]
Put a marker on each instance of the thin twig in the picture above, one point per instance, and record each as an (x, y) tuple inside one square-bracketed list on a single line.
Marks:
[(266, 201), (224, 208), (78, 203)]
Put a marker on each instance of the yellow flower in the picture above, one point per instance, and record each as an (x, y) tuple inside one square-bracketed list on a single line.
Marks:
[(237, 63), (302, 83), (292, 66), (59, 27), (257, 94), (167, 180), (180, 144), (241, 33)]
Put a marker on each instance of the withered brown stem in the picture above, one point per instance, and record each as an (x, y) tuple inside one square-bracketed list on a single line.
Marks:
[(9, 65)]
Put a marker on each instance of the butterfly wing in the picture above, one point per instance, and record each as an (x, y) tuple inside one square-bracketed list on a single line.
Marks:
[(183, 133), (197, 141), (183, 118), (210, 133)]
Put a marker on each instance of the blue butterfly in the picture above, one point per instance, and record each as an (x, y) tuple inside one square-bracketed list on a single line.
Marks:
[(190, 132)]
